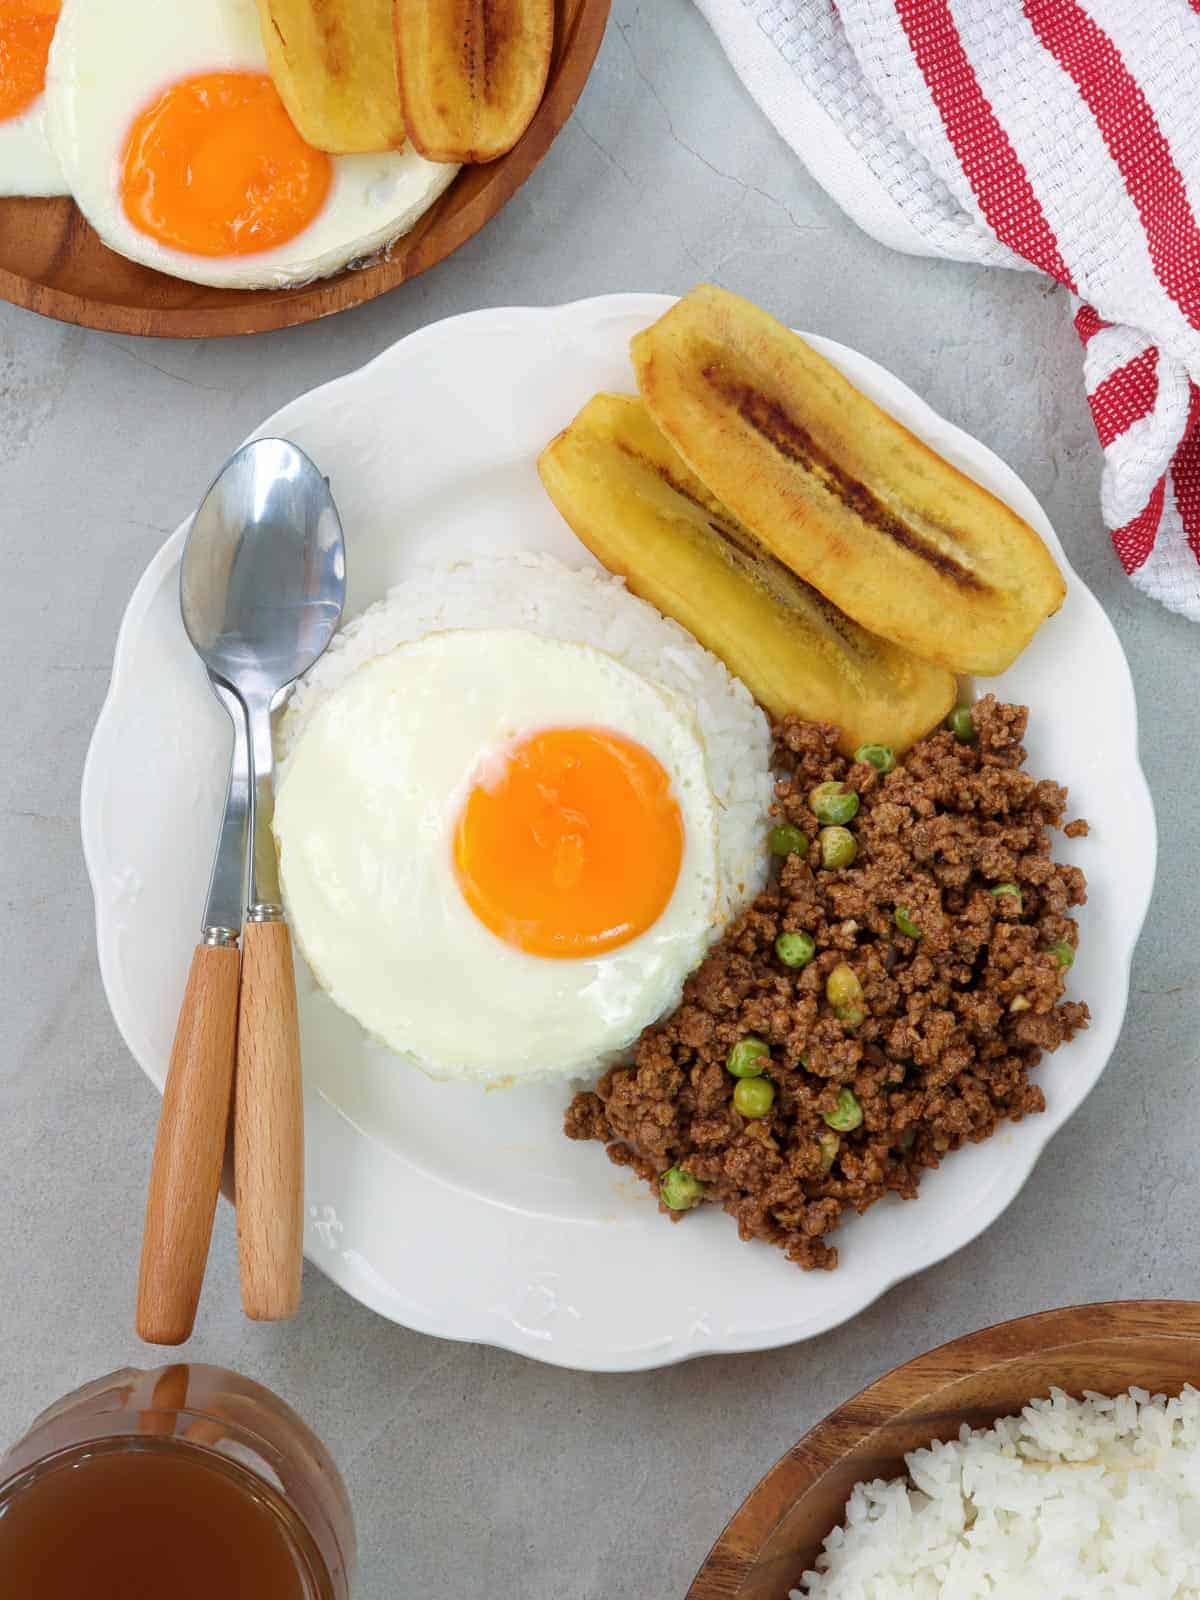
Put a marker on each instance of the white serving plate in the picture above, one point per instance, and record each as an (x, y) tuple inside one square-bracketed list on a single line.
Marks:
[(464, 1212)]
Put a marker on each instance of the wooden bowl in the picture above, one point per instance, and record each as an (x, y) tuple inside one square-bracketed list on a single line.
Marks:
[(51, 261), (1153, 1344)]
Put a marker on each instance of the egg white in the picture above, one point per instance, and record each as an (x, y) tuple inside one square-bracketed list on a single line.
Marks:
[(28, 166), (110, 58), (364, 822), (27, 163)]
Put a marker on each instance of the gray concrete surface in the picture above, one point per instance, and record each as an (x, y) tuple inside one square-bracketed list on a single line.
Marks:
[(476, 1473)]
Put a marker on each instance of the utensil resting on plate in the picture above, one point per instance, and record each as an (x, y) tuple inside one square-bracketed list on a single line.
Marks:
[(262, 585)]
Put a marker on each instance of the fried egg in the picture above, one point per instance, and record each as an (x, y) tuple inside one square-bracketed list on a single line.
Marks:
[(178, 150), (27, 164), (499, 851)]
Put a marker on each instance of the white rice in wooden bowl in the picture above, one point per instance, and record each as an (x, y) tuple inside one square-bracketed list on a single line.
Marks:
[(1093, 1499)]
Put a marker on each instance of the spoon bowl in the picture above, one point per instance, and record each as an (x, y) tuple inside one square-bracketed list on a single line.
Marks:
[(263, 578)]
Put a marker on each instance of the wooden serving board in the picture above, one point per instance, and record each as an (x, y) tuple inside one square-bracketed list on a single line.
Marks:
[(777, 1533), (52, 263)]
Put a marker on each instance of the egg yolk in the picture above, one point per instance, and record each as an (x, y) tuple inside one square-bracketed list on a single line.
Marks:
[(26, 29), (215, 167), (570, 844)]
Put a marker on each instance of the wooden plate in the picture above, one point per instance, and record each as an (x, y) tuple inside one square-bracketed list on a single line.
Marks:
[(1153, 1344), (51, 261)]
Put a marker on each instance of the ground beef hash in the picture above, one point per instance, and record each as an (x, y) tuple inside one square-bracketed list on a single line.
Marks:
[(955, 1021)]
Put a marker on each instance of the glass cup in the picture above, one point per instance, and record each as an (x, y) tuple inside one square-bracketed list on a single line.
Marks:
[(179, 1477)]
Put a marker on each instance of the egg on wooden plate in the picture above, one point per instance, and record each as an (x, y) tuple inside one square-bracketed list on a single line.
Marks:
[(27, 164), (500, 851), (178, 150)]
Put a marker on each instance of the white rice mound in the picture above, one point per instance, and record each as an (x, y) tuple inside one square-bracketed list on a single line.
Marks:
[(1093, 1499), (581, 606)]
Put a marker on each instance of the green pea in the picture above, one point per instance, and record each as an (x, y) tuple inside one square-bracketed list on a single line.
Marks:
[(845, 995), (754, 1097), (679, 1190), (842, 988), (962, 724), (1063, 953), (787, 840), (902, 917), (838, 847), (829, 1144), (749, 1057), (848, 1114), (795, 949), (833, 802), (878, 755), (1005, 891)]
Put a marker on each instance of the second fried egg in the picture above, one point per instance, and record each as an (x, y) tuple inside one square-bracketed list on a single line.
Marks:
[(27, 165), (178, 150)]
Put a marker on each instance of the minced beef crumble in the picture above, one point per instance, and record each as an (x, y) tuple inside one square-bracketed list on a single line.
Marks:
[(954, 1022)]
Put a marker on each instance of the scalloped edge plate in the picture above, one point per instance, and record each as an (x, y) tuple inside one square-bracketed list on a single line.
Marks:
[(553, 1252)]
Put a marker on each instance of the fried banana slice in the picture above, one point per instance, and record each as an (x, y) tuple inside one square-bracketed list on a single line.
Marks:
[(843, 494), (635, 504), (472, 73), (334, 64)]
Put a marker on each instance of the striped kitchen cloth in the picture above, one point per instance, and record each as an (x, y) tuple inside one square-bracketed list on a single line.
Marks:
[(1061, 136)]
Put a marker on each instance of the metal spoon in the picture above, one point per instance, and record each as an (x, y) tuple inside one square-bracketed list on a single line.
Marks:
[(262, 587), (261, 607), (189, 1151)]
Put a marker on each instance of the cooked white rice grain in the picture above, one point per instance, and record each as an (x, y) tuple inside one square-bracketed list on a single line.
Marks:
[(1093, 1499)]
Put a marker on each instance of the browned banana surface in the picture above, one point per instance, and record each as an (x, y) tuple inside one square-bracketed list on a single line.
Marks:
[(471, 73), (843, 494), (632, 500), (334, 64)]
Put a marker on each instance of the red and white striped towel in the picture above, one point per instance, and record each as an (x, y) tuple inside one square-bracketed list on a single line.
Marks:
[(1057, 135)]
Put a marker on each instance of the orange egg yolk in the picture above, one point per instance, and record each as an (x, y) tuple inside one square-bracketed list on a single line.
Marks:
[(215, 167), (26, 29), (570, 844)]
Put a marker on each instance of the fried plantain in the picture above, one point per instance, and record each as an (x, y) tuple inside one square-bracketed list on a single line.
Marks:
[(843, 494), (632, 500), (334, 64), (472, 73)]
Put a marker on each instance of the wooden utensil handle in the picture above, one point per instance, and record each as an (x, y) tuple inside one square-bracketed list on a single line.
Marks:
[(268, 1133), (186, 1170)]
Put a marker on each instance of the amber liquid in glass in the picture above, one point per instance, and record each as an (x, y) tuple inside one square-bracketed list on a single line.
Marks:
[(150, 1519)]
